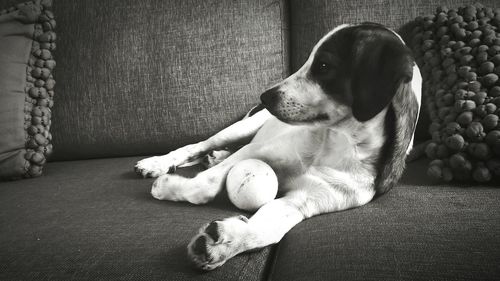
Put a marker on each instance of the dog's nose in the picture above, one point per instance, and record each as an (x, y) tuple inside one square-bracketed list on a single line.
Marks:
[(270, 97)]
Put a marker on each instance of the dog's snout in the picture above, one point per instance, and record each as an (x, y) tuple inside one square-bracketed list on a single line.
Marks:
[(270, 97)]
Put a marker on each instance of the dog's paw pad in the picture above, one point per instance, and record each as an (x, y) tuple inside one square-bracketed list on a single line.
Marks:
[(212, 230), (154, 167), (218, 241), (200, 246), (203, 253)]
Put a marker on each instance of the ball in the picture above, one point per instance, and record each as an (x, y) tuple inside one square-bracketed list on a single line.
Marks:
[(250, 184)]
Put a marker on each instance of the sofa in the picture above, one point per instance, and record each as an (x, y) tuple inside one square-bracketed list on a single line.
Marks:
[(141, 78)]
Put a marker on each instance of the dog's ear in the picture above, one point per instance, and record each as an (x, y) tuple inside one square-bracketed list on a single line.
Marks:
[(379, 70)]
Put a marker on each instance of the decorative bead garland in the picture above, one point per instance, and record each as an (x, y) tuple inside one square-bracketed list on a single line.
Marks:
[(40, 84)]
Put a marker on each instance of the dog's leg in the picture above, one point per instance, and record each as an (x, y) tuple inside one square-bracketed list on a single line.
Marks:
[(218, 241), (206, 184), (240, 132)]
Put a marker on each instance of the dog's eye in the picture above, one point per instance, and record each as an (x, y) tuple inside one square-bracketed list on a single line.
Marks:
[(324, 63), (323, 67)]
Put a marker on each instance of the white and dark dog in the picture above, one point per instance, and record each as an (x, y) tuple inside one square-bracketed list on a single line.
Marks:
[(336, 133)]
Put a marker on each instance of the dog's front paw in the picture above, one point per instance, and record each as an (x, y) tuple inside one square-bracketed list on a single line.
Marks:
[(155, 166), (219, 241)]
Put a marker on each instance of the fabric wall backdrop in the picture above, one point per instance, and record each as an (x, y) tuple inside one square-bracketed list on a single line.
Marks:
[(145, 77)]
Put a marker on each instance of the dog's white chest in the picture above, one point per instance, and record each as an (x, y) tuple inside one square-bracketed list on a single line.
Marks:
[(305, 146), (274, 129), (336, 148)]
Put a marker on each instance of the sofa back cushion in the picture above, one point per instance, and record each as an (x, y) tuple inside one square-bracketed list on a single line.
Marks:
[(145, 77)]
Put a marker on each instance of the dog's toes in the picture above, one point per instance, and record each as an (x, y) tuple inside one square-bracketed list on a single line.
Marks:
[(200, 245), (154, 167), (143, 172), (138, 170), (203, 255), (217, 242), (205, 250)]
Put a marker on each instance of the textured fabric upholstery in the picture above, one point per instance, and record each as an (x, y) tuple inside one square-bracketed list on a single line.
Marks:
[(418, 231), (95, 220), (144, 77)]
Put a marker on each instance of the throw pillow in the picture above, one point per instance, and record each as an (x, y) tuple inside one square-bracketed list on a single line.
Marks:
[(26, 88), (458, 51)]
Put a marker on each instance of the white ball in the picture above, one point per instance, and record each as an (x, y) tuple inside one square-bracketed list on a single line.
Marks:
[(250, 184)]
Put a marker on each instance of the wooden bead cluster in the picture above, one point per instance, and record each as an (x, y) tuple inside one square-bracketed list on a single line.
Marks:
[(458, 52), (40, 83)]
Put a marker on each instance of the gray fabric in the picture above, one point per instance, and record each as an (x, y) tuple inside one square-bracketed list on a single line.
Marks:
[(418, 231), (95, 220), (133, 75)]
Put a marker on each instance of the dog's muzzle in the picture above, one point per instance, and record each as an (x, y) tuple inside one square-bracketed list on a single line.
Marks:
[(271, 98)]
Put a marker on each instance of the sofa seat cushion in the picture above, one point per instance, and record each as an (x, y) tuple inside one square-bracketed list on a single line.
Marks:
[(95, 220), (418, 231)]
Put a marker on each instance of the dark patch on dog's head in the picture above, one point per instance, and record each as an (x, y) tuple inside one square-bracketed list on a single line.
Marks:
[(353, 71), (330, 67), (362, 66)]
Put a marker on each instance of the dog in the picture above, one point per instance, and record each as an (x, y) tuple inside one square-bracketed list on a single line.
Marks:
[(336, 133)]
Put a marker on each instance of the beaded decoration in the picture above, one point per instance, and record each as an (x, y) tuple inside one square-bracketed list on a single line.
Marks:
[(459, 54), (40, 83)]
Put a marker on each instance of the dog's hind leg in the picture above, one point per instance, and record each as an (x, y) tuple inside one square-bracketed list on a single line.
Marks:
[(239, 133)]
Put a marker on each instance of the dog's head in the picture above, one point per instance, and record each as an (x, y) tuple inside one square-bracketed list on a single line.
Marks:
[(353, 71)]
